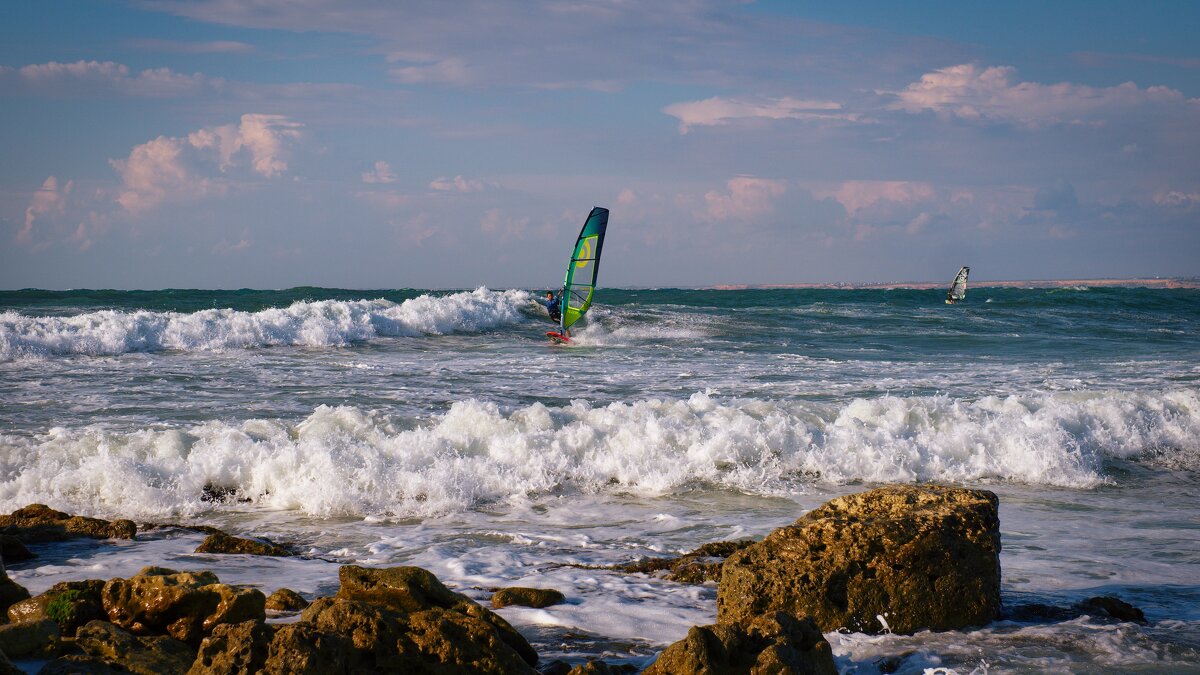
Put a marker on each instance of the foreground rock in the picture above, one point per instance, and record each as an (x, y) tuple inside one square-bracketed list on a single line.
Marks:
[(701, 565), (184, 605), (32, 638), (527, 597), (151, 655), (919, 556), (10, 591), (13, 550), (38, 522), (70, 604), (239, 648), (220, 542), (776, 643)]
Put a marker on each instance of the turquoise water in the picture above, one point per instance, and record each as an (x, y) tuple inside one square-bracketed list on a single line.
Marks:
[(441, 429)]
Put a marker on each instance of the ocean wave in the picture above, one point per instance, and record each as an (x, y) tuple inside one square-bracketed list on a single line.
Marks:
[(322, 323), (349, 461)]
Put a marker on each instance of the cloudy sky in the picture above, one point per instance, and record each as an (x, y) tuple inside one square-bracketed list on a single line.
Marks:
[(369, 144)]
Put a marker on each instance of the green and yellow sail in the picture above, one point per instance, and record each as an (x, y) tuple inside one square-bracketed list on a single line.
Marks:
[(580, 283)]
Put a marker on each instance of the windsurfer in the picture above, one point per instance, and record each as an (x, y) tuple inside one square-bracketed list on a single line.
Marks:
[(554, 308)]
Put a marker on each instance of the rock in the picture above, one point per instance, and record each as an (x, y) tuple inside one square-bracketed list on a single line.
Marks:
[(32, 638), (920, 556), (70, 604), (7, 667), (10, 591), (79, 664), (301, 649), (555, 667), (234, 649), (1115, 608), (775, 643), (286, 600), (38, 522), (385, 640), (13, 550), (410, 589), (185, 605), (224, 543), (527, 597), (597, 667), (701, 565), (143, 655)]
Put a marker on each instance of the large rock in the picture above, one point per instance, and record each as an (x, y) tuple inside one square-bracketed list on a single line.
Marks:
[(185, 605), (224, 543), (32, 638), (776, 643), (919, 556), (234, 649), (412, 589), (70, 604), (301, 649), (151, 655), (38, 522)]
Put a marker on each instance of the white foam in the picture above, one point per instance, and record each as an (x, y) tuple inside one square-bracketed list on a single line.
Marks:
[(316, 324), (348, 461)]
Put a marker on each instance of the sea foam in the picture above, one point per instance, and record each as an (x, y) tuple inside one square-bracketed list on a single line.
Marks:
[(314, 324), (348, 461)]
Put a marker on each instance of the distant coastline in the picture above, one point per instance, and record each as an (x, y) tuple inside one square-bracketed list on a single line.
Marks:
[(1156, 282)]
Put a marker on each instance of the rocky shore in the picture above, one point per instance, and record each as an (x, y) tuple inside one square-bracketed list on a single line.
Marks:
[(895, 559)]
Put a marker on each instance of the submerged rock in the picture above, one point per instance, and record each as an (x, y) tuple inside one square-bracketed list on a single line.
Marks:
[(151, 655), (286, 600), (1115, 608), (701, 565), (920, 556), (70, 604), (38, 522), (185, 605), (224, 543), (527, 597), (773, 643)]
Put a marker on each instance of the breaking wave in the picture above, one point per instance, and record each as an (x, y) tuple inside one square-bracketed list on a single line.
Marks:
[(348, 461), (315, 324)]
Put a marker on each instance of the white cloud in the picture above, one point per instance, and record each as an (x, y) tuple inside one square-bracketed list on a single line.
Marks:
[(178, 47), (172, 168), (456, 184), (382, 173), (494, 222), (48, 200), (428, 69), (718, 111), (99, 77), (747, 198), (970, 92), (857, 195), (1176, 198)]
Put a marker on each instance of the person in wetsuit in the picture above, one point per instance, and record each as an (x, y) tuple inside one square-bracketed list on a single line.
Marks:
[(554, 308)]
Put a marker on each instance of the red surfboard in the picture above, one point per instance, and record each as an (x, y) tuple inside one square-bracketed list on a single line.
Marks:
[(558, 338)]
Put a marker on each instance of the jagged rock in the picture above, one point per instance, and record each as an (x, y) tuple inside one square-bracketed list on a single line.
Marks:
[(234, 649), (185, 605), (920, 556), (701, 565), (597, 667), (301, 649), (286, 600), (70, 604), (32, 638), (1115, 608), (555, 667), (775, 643), (225, 543), (527, 597), (143, 655), (13, 550), (10, 591), (79, 664), (38, 522), (411, 589)]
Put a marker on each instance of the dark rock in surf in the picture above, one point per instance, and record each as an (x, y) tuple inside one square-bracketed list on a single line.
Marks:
[(920, 556), (184, 605), (150, 655), (12, 550), (527, 597), (775, 642), (1114, 608), (225, 543), (597, 667), (699, 566), (38, 523), (286, 600)]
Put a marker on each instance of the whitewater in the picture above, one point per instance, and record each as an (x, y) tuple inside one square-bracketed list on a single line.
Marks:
[(441, 429)]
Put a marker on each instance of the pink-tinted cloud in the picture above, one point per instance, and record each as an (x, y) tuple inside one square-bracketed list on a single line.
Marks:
[(857, 195), (413, 68), (717, 111), (48, 200), (456, 184), (180, 47), (745, 198), (381, 173), (99, 77)]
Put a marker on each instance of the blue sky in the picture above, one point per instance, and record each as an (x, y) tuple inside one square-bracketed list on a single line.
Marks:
[(221, 143)]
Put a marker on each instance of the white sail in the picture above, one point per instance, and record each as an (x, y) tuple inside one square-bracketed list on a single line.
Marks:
[(958, 288)]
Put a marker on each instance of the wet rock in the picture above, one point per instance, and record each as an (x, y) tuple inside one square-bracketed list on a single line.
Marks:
[(185, 605), (234, 649), (555, 667), (222, 493), (412, 589), (286, 600), (301, 649), (10, 591), (70, 604), (224, 543), (13, 550), (597, 667), (31, 638), (38, 522), (701, 565), (1115, 608), (920, 556), (773, 643), (143, 655), (527, 597), (79, 664)]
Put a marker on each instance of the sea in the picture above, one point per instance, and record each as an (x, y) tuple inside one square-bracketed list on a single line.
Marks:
[(442, 429)]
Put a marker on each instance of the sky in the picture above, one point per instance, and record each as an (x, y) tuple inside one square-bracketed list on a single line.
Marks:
[(427, 144)]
